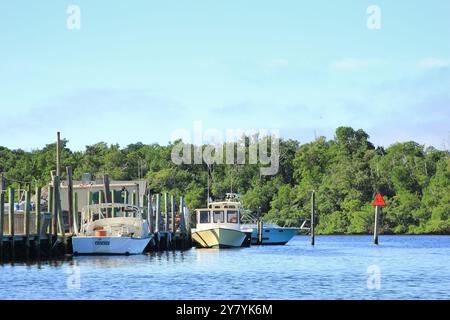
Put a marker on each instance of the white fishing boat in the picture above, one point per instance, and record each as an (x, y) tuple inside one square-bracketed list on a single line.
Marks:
[(218, 226), (111, 229)]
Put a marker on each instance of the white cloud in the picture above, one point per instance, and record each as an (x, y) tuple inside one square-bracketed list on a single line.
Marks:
[(434, 63), (349, 64)]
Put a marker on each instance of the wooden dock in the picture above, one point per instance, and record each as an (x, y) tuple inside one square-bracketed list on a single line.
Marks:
[(45, 231), (31, 234)]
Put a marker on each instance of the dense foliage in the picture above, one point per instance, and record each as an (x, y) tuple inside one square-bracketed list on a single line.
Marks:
[(346, 173)]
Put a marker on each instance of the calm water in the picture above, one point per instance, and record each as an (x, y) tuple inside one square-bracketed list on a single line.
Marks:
[(410, 267)]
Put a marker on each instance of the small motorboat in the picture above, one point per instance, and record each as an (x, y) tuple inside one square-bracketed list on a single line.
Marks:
[(111, 229), (218, 226), (272, 234)]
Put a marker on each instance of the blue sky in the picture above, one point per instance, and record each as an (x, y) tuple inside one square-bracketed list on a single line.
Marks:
[(139, 70)]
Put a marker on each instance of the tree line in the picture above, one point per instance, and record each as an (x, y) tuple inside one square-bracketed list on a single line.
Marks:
[(346, 172)]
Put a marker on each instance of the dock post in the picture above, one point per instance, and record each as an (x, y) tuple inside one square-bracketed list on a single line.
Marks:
[(313, 208), (27, 219), (60, 216), (158, 219), (166, 212), (70, 197), (182, 222), (150, 212), (38, 218), (75, 213), (108, 196), (2, 216), (50, 207), (172, 214), (260, 231), (11, 218), (376, 226), (55, 207), (158, 212)]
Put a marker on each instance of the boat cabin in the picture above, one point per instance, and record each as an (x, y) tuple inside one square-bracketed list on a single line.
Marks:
[(219, 212)]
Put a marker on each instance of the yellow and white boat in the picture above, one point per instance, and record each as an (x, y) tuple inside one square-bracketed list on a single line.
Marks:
[(218, 226)]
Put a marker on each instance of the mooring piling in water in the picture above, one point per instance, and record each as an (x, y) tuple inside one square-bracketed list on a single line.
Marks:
[(108, 194), (75, 212), (313, 211), (150, 212), (182, 221), (259, 228), (172, 214), (50, 206), (38, 217), (70, 197), (166, 212), (11, 219), (158, 213), (27, 218), (2, 215)]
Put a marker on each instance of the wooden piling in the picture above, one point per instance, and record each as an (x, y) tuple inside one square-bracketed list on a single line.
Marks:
[(108, 195), (158, 213), (75, 212), (172, 214), (260, 231), (70, 197), (11, 218), (150, 219), (2, 217), (57, 214), (313, 208), (27, 212), (50, 207), (38, 217), (58, 154), (166, 212), (376, 226), (182, 222)]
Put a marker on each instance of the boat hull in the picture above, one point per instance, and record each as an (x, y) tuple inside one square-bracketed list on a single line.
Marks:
[(274, 236), (109, 245), (219, 238)]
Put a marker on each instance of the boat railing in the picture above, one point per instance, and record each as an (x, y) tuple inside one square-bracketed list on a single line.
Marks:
[(105, 210), (248, 217)]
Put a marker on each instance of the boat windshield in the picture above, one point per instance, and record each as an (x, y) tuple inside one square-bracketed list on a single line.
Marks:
[(218, 217), (232, 217), (204, 217)]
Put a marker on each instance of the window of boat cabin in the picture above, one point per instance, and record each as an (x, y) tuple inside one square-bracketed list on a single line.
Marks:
[(218, 216), (203, 217), (232, 217)]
